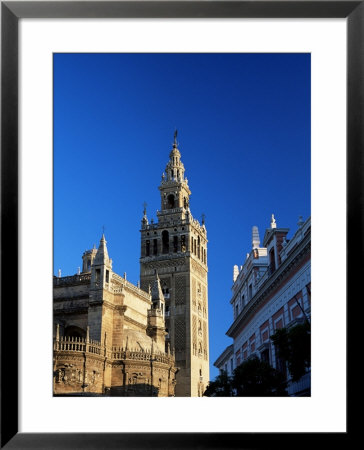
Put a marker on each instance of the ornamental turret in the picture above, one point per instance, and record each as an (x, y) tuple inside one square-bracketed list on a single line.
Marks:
[(101, 267), (174, 188), (156, 324)]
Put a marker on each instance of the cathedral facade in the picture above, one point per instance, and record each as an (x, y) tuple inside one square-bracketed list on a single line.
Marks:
[(109, 335), (175, 249), (114, 338)]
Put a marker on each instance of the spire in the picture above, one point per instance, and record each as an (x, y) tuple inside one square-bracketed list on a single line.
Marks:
[(102, 256), (255, 237), (175, 168), (157, 293)]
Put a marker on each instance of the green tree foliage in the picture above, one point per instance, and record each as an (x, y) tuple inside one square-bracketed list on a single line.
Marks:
[(294, 346), (221, 387), (256, 378), (253, 378)]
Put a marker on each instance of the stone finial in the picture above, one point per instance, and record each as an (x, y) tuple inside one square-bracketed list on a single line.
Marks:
[(57, 332), (88, 334), (59, 273), (145, 218), (78, 271), (273, 222), (235, 273), (255, 237)]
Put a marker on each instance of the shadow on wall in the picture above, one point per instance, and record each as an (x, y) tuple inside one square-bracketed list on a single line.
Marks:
[(137, 390)]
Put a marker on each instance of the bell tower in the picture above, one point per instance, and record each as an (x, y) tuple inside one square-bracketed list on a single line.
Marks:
[(175, 249)]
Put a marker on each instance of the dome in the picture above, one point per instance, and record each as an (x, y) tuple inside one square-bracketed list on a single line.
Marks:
[(175, 153)]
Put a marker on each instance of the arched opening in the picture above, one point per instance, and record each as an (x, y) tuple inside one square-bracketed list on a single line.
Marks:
[(147, 248), (165, 241), (74, 331), (170, 201), (183, 243)]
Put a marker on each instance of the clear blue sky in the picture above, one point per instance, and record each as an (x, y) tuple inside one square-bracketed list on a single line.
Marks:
[(243, 125)]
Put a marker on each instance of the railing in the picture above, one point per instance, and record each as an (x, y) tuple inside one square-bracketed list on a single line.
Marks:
[(74, 279), (130, 286), (76, 344)]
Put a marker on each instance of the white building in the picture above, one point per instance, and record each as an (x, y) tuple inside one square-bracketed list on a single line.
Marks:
[(271, 290)]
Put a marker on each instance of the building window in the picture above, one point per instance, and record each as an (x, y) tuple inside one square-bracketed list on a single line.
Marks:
[(107, 276), (97, 274), (272, 263), (175, 244), (252, 343), (250, 291), (236, 310), (183, 243), (155, 247), (165, 241), (170, 201), (147, 248)]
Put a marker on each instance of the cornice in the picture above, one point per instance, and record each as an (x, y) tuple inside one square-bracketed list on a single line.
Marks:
[(270, 284)]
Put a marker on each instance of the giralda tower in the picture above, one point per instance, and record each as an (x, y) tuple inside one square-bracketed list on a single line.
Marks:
[(175, 248)]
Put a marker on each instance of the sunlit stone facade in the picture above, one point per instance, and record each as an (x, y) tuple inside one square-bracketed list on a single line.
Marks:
[(175, 248)]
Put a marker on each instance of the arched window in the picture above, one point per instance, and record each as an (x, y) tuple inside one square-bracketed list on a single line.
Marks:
[(165, 241), (155, 247), (170, 201), (183, 243), (73, 331), (147, 248), (175, 244)]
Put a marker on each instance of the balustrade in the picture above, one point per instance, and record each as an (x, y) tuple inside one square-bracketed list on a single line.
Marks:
[(78, 344)]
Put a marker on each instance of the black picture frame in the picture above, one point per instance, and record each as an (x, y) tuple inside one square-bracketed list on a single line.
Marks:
[(11, 12)]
